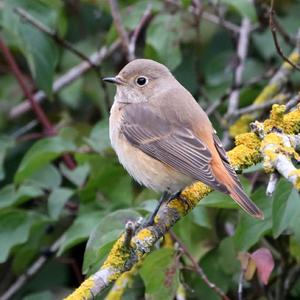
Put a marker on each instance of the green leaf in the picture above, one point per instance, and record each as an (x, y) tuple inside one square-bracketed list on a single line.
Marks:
[(250, 230), (160, 274), (202, 217), (99, 137), (40, 50), (77, 176), (80, 230), (214, 271), (48, 177), (10, 195), (286, 207), (15, 226), (40, 154), (57, 201), (165, 42), (106, 176), (107, 231), (5, 144), (40, 295), (218, 200), (243, 7)]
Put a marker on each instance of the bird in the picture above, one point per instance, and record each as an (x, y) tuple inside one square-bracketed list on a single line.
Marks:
[(164, 139)]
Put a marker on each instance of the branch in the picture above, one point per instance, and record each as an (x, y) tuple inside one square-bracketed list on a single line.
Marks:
[(242, 50), (198, 269), (144, 20), (120, 29), (31, 271), (67, 78), (121, 259), (273, 27)]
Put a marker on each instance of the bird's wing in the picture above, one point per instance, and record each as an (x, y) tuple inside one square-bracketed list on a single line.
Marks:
[(175, 146)]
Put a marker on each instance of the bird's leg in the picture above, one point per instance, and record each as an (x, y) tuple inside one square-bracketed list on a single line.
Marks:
[(164, 197)]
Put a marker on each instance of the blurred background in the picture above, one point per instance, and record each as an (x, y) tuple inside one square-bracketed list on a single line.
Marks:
[(64, 198)]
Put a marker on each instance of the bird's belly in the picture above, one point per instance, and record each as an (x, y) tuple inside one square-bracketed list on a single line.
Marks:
[(143, 168), (148, 171)]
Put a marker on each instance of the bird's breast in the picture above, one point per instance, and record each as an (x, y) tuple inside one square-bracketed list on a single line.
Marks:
[(142, 167)]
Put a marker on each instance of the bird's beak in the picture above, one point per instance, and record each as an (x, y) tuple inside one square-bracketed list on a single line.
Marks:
[(114, 80)]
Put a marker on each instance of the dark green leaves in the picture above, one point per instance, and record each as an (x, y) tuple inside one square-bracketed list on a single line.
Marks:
[(40, 154), (108, 229), (15, 227), (165, 42), (40, 51), (160, 274)]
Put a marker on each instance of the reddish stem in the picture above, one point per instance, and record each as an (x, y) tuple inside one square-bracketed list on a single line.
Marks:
[(41, 116)]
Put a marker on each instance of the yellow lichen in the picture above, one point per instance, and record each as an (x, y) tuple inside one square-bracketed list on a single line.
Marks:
[(294, 58), (242, 157), (117, 256), (241, 125), (195, 192), (249, 139), (144, 234), (179, 206), (168, 241), (291, 122), (297, 181), (122, 283), (276, 118), (84, 291)]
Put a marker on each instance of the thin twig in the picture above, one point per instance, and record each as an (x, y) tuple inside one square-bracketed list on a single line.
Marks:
[(115, 12), (240, 287), (274, 177), (255, 107), (144, 20), (41, 116), (273, 27), (293, 102), (32, 270), (67, 78), (198, 269), (242, 50), (59, 40), (129, 232)]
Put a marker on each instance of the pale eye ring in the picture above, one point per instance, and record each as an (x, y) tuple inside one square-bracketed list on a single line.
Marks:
[(141, 80)]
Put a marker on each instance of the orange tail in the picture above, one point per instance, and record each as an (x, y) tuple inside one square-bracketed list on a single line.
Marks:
[(240, 197)]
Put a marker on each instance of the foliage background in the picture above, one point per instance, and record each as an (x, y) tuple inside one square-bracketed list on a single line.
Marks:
[(43, 201)]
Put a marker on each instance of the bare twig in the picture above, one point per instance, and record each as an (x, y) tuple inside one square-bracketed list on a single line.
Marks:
[(274, 177), (58, 39), (144, 20), (32, 270), (41, 116), (242, 50), (129, 232), (115, 12), (273, 27), (293, 102), (198, 269), (67, 78), (255, 107), (240, 287)]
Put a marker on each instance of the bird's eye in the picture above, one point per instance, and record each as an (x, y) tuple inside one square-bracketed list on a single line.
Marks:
[(141, 81)]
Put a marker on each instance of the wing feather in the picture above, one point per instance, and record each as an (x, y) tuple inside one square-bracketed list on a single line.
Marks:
[(177, 147)]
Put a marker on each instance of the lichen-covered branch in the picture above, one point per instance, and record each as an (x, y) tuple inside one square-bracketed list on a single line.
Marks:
[(250, 148)]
